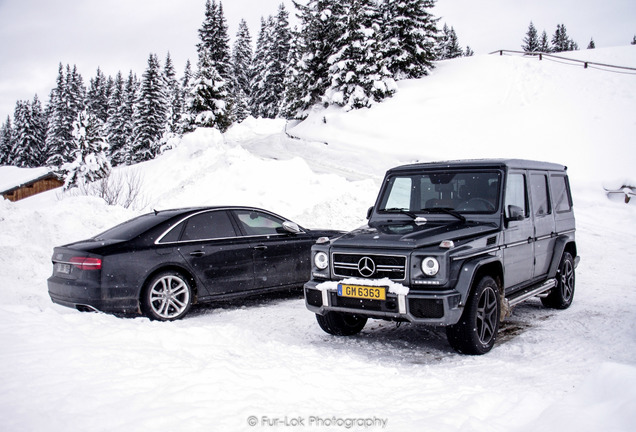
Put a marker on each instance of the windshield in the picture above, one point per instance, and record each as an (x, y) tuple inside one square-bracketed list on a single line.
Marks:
[(460, 191)]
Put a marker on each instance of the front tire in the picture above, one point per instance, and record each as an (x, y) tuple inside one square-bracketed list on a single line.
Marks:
[(341, 324), (561, 296), (167, 297), (476, 331)]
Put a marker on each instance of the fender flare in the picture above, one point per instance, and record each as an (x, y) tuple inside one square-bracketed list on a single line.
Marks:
[(559, 248), (468, 271)]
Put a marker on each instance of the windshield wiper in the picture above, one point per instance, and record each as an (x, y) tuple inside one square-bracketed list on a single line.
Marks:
[(399, 210), (445, 210)]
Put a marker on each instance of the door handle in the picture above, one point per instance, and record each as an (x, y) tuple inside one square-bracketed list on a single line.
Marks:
[(260, 247), (197, 253)]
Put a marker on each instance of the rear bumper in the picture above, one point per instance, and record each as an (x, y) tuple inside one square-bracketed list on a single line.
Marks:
[(440, 309), (87, 295)]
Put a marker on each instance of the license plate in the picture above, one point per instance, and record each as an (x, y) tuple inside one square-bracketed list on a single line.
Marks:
[(362, 292), (62, 268)]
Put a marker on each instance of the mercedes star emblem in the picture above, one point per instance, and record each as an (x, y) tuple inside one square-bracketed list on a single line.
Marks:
[(366, 267)]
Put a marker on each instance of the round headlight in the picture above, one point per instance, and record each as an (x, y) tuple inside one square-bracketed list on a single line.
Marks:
[(430, 266), (321, 260)]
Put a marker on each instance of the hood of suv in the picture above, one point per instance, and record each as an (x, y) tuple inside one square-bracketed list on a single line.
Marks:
[(410, 235)]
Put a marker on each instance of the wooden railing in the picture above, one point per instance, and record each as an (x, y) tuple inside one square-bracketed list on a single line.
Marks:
[(585, 63)]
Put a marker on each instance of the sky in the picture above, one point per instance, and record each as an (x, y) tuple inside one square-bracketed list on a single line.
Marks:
[(118, 35)]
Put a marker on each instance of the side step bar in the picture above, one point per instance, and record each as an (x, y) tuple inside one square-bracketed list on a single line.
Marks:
[(531, 292)]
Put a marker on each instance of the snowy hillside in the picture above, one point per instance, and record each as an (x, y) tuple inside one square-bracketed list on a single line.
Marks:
[(266, 360)]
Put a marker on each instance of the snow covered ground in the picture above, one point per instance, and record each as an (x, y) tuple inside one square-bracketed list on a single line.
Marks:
[(264, 364)]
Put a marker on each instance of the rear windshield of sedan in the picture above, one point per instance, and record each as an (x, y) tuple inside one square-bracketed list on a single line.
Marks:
[(132, 228)]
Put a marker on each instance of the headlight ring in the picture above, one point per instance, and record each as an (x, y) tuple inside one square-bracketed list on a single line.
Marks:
[(321, 260), (430, 266)]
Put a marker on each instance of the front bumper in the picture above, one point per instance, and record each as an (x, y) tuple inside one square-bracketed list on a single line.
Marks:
[(89, 295), (439, 308)]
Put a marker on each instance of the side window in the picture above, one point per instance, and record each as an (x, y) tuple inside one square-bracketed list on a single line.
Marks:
[(208, 225), (257, 223), (561, 198), (539, 194), (173, 235), (516, 193)]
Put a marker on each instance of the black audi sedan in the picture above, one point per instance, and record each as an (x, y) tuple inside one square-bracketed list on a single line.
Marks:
[(161, 263)]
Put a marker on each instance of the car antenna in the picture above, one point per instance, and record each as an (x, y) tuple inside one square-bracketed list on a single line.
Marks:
[(156, 211)]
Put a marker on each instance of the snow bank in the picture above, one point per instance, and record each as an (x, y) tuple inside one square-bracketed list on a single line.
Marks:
[(501, 106)]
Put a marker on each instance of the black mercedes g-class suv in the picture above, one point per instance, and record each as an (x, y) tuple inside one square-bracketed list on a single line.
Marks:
[(454, 244)]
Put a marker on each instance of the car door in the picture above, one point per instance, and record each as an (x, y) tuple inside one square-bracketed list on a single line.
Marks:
[(280, 258), (544, 228), (220, 258), (519, 232)]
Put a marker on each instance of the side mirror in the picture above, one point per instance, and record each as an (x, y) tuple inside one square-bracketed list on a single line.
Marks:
[(291, 227), (369, 212), (515, 213)]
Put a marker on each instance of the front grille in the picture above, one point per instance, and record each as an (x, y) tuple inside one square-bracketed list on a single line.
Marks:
[(426, 308), (369, 266)]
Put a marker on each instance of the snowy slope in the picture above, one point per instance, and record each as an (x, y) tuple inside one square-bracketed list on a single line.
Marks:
[(572, 370)]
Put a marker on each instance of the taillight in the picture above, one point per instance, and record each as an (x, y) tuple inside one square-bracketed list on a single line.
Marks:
[(86, 263)]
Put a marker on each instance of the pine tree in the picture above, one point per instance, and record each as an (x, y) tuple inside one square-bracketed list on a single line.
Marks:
[(409, 37), (468, 52), (293, 94), (544, 44), (207, 105), (633, 42), (174, 97), (67, 100), (281, 45), (97, 96), (591, 45), (270, 65), (319, 34), (89, 150), (561, 41), (6, 142), (531, 41), (187, 90), (119, 123), (449, 44), (358, 73), (214, 70), (29, 134), (150, 113), (260, 71), (215, 40), (131, 91), (241, 64)]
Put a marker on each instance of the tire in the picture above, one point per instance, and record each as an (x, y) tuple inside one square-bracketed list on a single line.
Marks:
[(561, 296), (167, 297), (341, 324), (476, 331)]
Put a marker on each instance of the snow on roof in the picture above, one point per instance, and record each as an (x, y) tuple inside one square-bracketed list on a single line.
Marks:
[(12, 177)]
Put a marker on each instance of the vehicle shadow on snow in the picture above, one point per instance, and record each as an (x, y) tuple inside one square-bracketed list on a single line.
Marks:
[(384, 340), (257, 300), (418, 344)]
